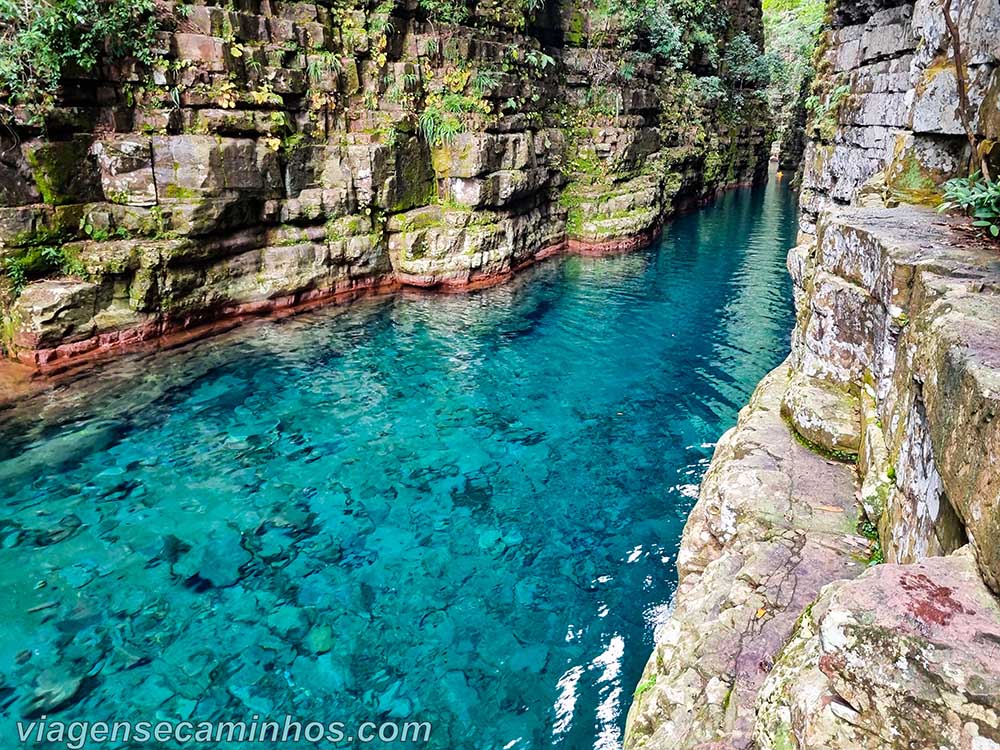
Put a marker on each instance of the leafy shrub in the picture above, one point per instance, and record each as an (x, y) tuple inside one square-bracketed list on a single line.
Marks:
[(978, 197), (446, 11), (876, 555), (791, 32), (485, 81), (40, 40), (36, 262), (746, 67), (677, 31)]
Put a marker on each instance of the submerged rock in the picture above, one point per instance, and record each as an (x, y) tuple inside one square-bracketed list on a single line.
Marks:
[(218, 561)]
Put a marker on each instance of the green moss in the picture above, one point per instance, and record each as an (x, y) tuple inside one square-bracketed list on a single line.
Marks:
[(421, 218), (346, 226), (418, 249), (414, 184), (570, 198), (844, 457), (27, 264), (574, 29), (36, 237), (54, 166), (783, 739), (644, 687), (869, 531), (574, 222), (908, 182), (445, 155), (713, 167), (176, 192)]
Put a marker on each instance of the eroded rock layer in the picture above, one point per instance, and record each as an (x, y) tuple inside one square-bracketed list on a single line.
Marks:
[(287, 152), (773, 524), (898, 317), (885, 125)]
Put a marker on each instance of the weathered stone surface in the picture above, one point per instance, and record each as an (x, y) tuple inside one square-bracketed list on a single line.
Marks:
[(190, 166), (126, 167), (899, 121), (54, 311), (63, 171), (296, 115), (17, 187), (894, 297), (900, 306), (823, 413), (904, 656), (432, 246), (774, 523), (873, 459)]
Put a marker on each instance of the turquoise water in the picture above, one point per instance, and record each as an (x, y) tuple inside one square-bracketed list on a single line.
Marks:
[(461, 509)]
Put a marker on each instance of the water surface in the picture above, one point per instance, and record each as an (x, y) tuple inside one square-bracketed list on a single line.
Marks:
[(458, 509)]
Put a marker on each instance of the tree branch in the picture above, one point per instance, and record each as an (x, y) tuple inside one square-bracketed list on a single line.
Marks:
[(962, 83)]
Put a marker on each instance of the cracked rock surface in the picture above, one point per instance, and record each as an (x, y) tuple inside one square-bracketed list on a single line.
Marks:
[(774, 523), (905, 656)]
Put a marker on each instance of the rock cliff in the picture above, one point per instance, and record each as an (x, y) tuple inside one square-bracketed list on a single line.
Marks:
[(839, 574), (284, 153)]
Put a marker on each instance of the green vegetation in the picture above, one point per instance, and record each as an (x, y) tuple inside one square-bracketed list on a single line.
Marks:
[(746, 71), (677, 31), (40, 40), (791, 32), (825, 109), (645, 686), (514, 14), (869, 531), (978, 197), (844, 457), (446, 11), (35, 263)]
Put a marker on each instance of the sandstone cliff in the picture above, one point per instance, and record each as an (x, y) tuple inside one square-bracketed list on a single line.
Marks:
[(283, 153), (839, 574)]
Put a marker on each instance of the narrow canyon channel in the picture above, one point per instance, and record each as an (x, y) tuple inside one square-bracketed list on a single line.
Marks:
[(455, 508)]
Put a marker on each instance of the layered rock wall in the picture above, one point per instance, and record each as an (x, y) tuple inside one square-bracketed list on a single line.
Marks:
[(882, 634), (885, 123), (289, 152)]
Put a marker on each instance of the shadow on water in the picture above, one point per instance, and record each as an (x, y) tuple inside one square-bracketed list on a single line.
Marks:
[(457, 509)]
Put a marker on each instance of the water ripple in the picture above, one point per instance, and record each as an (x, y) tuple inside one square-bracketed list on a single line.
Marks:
[(461, 509)]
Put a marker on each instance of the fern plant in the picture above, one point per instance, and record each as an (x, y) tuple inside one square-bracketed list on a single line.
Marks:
[(438, 127), (485, 81), (41, 39)]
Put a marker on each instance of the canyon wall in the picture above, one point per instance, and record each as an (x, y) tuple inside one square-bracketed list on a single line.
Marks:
[(286, 153), (838, 577)]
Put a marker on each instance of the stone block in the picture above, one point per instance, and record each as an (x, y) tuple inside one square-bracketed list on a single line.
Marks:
[(126, 169)]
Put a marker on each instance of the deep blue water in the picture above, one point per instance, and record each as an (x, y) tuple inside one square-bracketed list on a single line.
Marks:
[(461, 509)]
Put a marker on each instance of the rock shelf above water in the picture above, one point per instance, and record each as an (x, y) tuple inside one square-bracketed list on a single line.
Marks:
[(774, 523), (781, 638)]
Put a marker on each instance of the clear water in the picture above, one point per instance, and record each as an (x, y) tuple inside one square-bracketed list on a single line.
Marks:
[(456, 509)]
